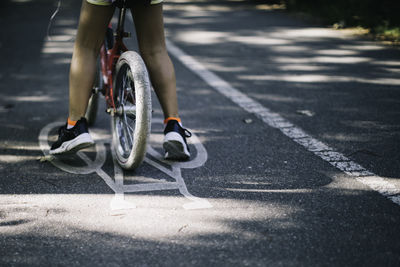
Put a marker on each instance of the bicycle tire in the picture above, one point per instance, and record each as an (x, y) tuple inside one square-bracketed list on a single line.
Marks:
[(91, 110), (131, 122)]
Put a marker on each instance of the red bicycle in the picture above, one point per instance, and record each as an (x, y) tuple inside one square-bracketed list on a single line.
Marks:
[(123, 79)]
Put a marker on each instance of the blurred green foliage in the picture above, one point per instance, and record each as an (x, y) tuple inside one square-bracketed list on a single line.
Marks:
[(365, 13), (382, 17)]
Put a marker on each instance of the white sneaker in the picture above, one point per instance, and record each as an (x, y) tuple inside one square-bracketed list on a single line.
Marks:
[(175, 145), (72, 140)]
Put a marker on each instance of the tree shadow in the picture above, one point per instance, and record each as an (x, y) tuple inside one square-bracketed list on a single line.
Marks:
[(290, 65), (274, 203)]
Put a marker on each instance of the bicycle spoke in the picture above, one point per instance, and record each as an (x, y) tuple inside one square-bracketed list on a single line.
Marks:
[(125, 140), (127, 127), (126, 87), (120, 136), (122, 96), (130, 128), (130, 111)]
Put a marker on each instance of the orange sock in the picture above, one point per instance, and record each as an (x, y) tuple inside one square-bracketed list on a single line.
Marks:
[(70, 123), (172, 118)]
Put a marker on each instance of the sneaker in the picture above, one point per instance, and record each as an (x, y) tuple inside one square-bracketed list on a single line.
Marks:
[(72, 140), (175, 145)]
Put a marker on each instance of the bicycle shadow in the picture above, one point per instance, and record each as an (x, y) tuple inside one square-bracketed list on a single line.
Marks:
[(153, 157)]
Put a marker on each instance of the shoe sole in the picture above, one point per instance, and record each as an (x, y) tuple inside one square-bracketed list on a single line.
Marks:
[(70, 147), (175, 151), (175, 147)]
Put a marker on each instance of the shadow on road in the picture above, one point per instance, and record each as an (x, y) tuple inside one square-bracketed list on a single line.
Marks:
[(274, 203)]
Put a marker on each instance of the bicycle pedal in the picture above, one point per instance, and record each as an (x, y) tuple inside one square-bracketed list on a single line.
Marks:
[(110, 111), (96, 90)]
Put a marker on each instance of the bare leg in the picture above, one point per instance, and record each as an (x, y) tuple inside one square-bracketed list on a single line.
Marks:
[(150, 32), (93, 23)]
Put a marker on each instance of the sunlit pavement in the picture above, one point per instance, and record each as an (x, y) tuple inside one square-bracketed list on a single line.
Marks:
[(295, 155)]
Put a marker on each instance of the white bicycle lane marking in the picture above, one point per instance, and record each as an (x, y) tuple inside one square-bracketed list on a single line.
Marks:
[(295, 133), (117, 184)]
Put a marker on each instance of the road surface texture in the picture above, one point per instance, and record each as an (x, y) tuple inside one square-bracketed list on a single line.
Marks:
[(295, 154)]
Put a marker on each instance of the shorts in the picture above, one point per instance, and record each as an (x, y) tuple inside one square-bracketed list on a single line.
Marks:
[(110, 2)]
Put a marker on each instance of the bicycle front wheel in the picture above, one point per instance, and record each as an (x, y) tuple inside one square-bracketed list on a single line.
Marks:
[(131, 122)]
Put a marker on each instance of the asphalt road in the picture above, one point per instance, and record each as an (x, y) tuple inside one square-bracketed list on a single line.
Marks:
[(295, 155)]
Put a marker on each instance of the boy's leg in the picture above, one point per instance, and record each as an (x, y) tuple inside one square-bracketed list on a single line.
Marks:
[(91, 31), (92, 27), (150, 32)]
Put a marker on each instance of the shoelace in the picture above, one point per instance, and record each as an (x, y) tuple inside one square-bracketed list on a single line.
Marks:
[(187, 133), (61, 132)]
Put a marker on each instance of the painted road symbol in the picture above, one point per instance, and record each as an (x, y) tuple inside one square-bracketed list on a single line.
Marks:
[(153, 158)]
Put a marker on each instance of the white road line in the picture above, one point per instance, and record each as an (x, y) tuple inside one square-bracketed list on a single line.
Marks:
[(295, 133)]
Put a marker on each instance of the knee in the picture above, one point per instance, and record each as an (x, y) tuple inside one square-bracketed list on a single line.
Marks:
[(88, 44), (153, 52)]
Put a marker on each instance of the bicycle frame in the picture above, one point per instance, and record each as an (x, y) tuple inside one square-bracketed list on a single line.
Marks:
[(109, 58)]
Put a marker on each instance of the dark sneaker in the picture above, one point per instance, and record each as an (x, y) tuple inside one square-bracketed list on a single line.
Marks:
[(72, 140), (175, 145)]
